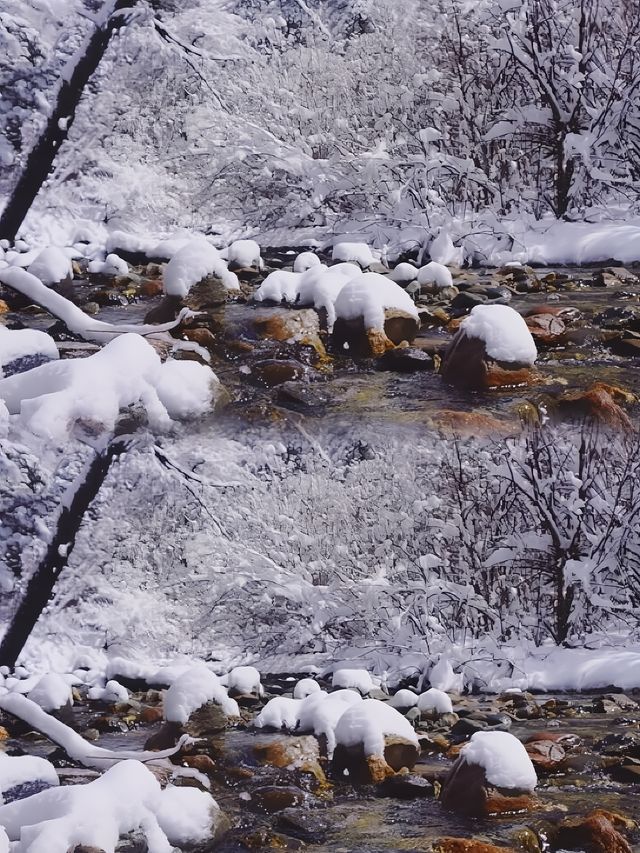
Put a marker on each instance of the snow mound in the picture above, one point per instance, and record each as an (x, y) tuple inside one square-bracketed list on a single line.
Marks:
[(306, 260), (444, 678), (18, 343), (368, 296), (281, 712), (305, 687), (128, 242), (442, 250), (196, 260), (244, 679), (320, 286), (435, 700), (279, 286), (404, 699), (52, 265), (52, 397), (112, 692), (403, 273), (320, 712), (127, 798), (435, 273), (504, 332), (369, 722), (245, 253), (193, 689), (16, 770), (360, 253), (186, 389), (112, 265), (52, 692), (357, 679), (504, 759)]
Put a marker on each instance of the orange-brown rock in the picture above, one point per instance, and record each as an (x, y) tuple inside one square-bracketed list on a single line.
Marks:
[(372, 769), (465, 364), (151, 714), (473, 423), (203, 763), (546, 755), (295, 326), (4, 308), (299, 753), (204, 337), (350, 338), (600, 402), (599, 831), (547, 329), (467, 845), (150, 287)]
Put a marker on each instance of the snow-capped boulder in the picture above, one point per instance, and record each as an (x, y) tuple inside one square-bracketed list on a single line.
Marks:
[(24, 348), (373, 740), (52, 692), (195, 261), (305, 687), (320, 712), (403, 700), (23, 775), (52, 266), (111, 693), (245, 253), (492, 774), (243, 680), (492, 348), (403, 274), (112, 265), (359, 253), (306, 260), (434, 701), (280, 713), (356, 679), (436, 274), (373, 314)]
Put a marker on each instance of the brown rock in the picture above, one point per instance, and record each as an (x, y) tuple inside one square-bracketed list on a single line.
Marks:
[(150, 287), (372, 769), (203, 763), (299, 753), (350, 338), (465, 364), (204, 337), (600, 403), (4, 308), (546, 755), (276, 798), (206, 294), (614, 277), (599, 831), (151, 715), (467, 845), (467, 791), (165, 312), (270, 372), (295, 326), (547, 329), (473, 423)]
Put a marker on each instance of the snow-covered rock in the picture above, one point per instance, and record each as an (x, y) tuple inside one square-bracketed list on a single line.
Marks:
[(52, 265), (305, 687), (244, 679), (19, 343), (503, 758), (357, 679), (367, 297), (113, 691), (403, 699), (245, 253), (112, 265), (435, 273), (196, 260), (193, 689), (403, 273), (21, 769), (279, 713), (503, 331), (359, 253), (306, 260), (52, 692), (319, 713), (435, 700)]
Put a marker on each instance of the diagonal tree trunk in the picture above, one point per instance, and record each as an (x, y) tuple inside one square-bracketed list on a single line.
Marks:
[(74, 80)]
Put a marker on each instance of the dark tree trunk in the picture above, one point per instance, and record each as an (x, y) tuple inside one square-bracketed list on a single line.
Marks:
[(41, 585), (43, 153)]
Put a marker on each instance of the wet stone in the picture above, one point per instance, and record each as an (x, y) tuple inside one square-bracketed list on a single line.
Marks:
[(405, 360), (309, 826), (275, 798), (406, 786)]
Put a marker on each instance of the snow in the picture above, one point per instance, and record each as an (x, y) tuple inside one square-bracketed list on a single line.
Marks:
[(125, 799), (306, 260), (404, 699), (435, 700), (128, 242), (442, 250), (403, 273), (112, 265), (503, 331), (279, 286), (368, 722), (504, 759), (52, 265), (368, 296), (186, 389), (18, 343), (16, 770), (245, 253), (436, 273), (358, 252), (52, 692), (196, 260), (244, 679), (193, 689), (112, 692), (442, 677), (52, 397), (358, 679), (186, 815), (305, 687), (281, 712), (320, 712)]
